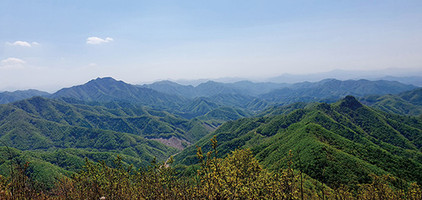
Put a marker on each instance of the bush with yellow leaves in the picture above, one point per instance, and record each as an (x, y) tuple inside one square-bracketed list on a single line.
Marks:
[(237, 176)]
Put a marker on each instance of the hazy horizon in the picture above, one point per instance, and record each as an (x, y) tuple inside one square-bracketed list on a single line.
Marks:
[(283, 78), (48, 45)]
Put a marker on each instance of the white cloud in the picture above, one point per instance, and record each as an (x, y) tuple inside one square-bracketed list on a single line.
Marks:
[(97, 40), (23, 43), (12, 63)]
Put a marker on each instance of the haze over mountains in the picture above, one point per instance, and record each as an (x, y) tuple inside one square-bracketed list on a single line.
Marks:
[(244, 94), (211, 100), (7, 97), (402, 75), (406, 76), (219, 100)]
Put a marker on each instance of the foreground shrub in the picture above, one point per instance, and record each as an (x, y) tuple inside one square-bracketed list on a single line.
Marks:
[(237, 176)]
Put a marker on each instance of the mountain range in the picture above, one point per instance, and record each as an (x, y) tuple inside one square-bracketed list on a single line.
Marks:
[(406, 103), (319, 121), (108, 89), (331, 90), (404, 76), (338, 143), (212, 88), (173, 96)]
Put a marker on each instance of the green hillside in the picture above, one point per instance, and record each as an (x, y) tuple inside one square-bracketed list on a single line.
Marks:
[(29, 131), (223, 114), (125, 118), (198, 107), (406, 103), (413, 96), (339, 143), (59, 135)]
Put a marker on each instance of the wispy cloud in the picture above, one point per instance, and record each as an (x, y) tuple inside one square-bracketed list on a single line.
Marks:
[(22, 43), (12, 63), (97, 40)]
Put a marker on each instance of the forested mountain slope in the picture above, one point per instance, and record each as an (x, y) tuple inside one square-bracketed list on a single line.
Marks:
[(108, 90), (406, 103), (105, 118), (339, 143), (127, 118), (59, 135)]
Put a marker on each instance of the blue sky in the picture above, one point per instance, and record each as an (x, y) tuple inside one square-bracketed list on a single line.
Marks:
[(52, 44)]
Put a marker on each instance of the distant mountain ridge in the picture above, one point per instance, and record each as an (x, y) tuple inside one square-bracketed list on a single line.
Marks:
[(331, 90), (170, 94), (7, 97), (258, 96), (108, 89), (207, 89), (212, 88), (247, 96), (410, 76)]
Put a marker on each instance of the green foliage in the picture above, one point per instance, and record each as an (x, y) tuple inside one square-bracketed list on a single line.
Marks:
[(337, 144), (406, 103), (224, 114), (329, 145), (125, 118), (62, 134), (238, 176)]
